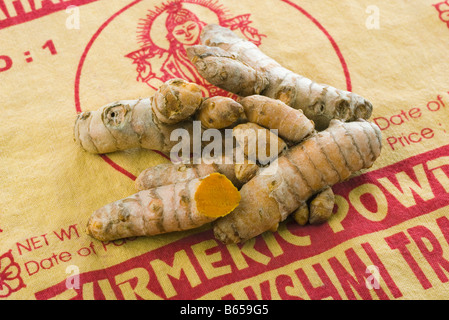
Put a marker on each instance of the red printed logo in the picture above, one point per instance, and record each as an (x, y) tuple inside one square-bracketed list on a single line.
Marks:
[(164, 57), (10, 279), (17, 12), (443, 10)]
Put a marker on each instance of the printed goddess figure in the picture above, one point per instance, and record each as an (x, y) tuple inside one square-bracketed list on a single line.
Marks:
[(155, 65)]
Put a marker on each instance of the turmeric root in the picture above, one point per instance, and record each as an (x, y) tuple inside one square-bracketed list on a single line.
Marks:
[(144, 123), (174, 207), (258, 145), (257, 142), (321, 206), (301, 215), (317, 209), (239, 66), (292, 124), (322, 160), (245, 171), (220, 112), (176, 100), (169, 173), (237, 172)]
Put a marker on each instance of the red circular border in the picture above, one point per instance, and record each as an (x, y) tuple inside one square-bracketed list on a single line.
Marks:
[(106, 23)]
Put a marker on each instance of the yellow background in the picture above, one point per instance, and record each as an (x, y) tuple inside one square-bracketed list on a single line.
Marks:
[(49, 183)]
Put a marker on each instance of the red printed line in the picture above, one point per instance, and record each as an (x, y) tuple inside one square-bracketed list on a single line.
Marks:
[(161, 154), (331, 39), (122, 170), (48, 8), (78, 78), (322, 238), (117, 167), (87, 49)]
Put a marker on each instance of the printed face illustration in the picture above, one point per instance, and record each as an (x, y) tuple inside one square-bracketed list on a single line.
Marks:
[(187, 33)]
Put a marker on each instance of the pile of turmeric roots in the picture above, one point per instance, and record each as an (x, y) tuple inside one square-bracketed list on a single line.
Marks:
[(323, 137)]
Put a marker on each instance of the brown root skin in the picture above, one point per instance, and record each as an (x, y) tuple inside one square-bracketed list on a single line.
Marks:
[(257, 142), (246, 171), (123, 125), (220, 112), (301, 215), (292, 124), (176, 100), (224, 70), (144, 123), (322, 160), (169, 173), (175, 207), (321, 206), (317, 210), (239, 66)]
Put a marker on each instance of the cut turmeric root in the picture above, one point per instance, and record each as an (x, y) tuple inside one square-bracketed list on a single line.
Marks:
[(324, 159), (175, 207)]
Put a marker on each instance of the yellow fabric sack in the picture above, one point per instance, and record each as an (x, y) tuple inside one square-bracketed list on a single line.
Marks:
[(388, 238)]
